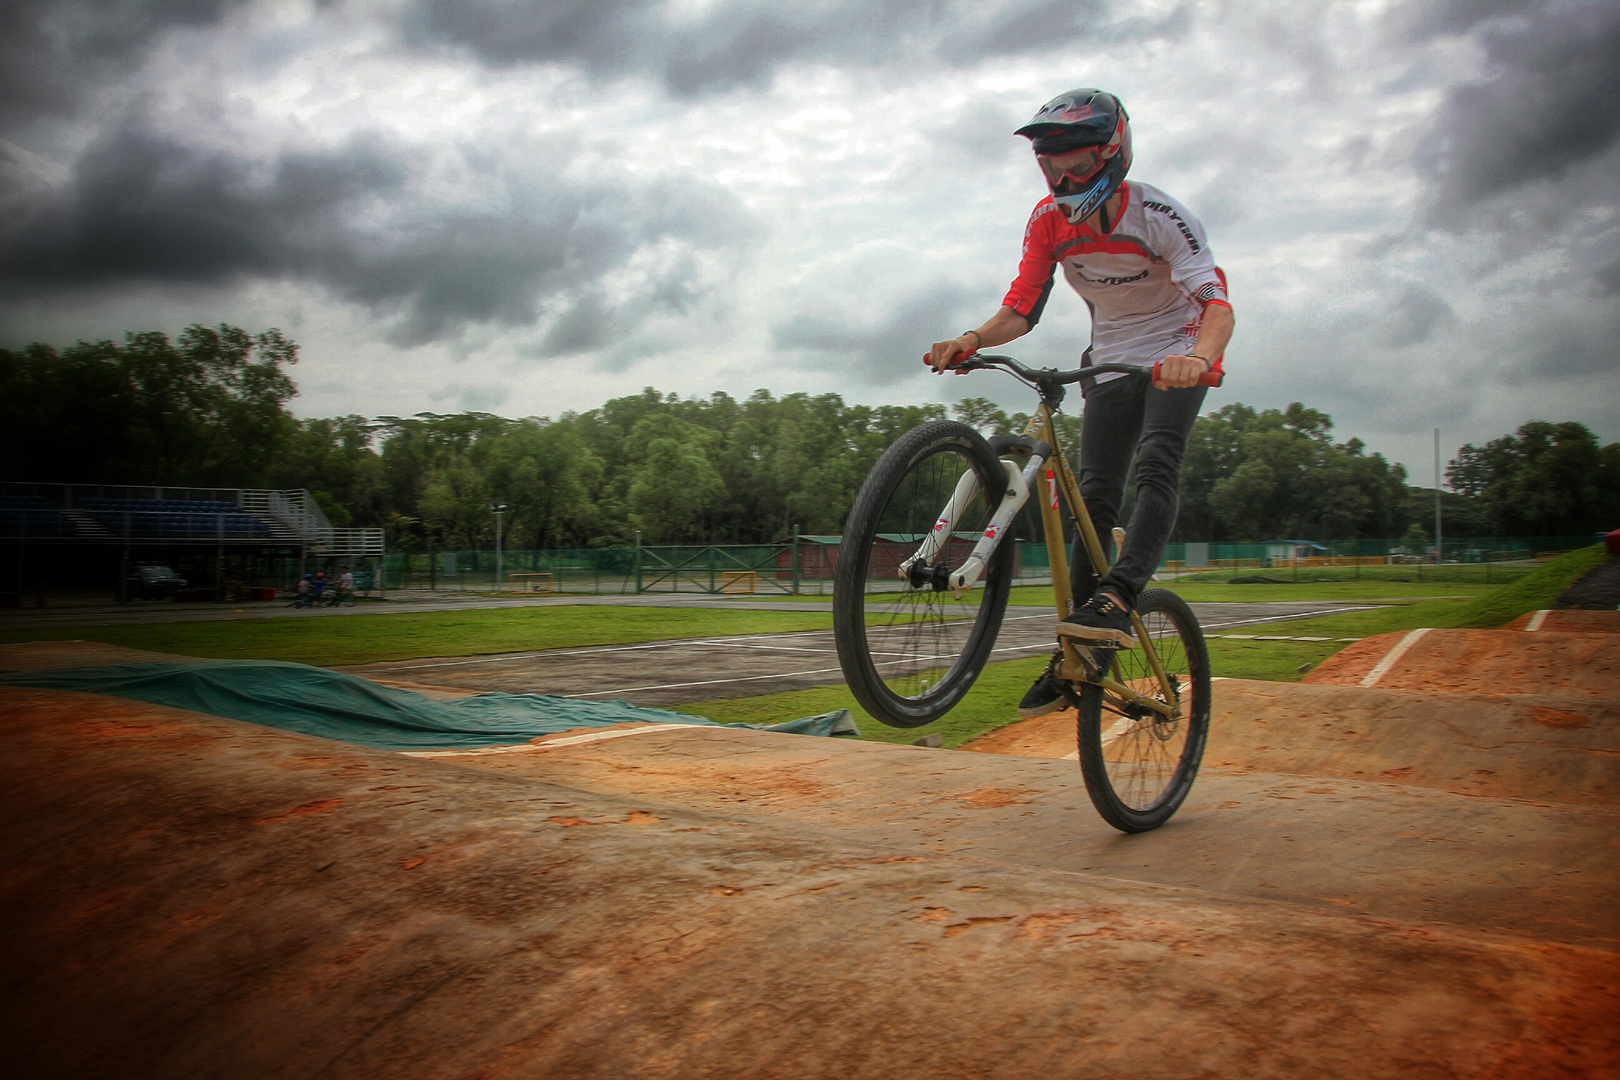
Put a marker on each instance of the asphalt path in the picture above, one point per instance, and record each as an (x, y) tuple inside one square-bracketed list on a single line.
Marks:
[(699, 669)]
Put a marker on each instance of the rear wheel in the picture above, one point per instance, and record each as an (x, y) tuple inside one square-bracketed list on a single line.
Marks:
[(909, 649), (1139, 764)]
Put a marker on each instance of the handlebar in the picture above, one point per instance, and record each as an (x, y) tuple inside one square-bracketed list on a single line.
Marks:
[(977, 361)]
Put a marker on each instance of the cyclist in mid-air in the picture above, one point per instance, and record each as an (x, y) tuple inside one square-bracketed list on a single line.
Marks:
[(1143, 266)]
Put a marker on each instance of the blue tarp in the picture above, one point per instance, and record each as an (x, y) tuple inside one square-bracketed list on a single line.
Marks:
[(329, 704)]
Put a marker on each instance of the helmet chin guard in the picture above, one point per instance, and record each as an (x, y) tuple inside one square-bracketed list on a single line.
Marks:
[(1080, 205), (1074, 121)]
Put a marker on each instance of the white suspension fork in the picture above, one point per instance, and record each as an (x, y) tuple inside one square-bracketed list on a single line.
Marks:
[(967, 489), (1019, 483)]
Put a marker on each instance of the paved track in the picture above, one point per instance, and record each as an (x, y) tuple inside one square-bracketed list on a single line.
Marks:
[(700, 669)]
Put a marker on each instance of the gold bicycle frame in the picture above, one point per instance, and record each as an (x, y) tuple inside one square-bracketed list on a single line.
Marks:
[(1057, 480)]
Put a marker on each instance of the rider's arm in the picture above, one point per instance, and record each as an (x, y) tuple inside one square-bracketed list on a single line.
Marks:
[(1178, 233), (1214, 331), (998, 329)]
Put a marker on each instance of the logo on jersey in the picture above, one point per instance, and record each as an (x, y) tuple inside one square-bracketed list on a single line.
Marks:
[(1167, 210), (1079, 272)]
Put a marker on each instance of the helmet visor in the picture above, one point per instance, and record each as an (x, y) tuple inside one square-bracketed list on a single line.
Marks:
[(1070, 171)]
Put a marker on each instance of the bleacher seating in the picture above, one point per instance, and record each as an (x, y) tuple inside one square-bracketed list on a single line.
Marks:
[(193, 519), (30, 515)]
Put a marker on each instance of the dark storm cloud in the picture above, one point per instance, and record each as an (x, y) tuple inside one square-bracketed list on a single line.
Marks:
[(143, 208), (1413, 317), (52, 52), (1606, 279), (742, 42), (1548, 101)]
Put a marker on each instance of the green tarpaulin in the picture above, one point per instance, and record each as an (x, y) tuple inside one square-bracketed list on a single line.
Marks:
[(315, 701)]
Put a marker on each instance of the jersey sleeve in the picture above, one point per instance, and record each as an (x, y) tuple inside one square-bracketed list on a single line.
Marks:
[(1181, 236), (1033, 285)]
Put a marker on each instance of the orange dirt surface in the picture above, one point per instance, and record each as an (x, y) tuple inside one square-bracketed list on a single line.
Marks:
[(1049, 736), (1574, 621), (1484, 662), (191, 896), (1556, 749)]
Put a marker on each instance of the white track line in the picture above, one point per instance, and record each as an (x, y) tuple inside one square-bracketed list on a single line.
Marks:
[(1381, 668), (1536, 620), (572, 740)]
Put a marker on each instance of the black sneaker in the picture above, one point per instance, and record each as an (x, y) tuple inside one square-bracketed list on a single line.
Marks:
[(1042, 699), (1102, 620)]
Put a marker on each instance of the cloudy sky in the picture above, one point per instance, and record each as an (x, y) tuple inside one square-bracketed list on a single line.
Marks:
[(532, 207)]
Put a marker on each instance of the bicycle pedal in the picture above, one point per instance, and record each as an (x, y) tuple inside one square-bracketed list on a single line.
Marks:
[(1083, 664)]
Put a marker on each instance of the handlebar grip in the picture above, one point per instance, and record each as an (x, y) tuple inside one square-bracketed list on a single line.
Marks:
[(1213, 377), (961, 358)]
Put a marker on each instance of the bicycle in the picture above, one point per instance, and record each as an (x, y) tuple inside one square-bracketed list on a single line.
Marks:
[(919, 594), (336, 597)]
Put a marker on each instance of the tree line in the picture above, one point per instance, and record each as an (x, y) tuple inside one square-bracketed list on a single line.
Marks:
[(209, 408)]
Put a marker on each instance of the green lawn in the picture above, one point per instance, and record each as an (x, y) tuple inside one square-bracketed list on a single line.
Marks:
[(358, 639), (993, 701), (1219, 591), (989, 705), (331, 641)]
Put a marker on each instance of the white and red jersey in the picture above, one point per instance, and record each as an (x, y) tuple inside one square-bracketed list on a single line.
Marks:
[(1147, 282)]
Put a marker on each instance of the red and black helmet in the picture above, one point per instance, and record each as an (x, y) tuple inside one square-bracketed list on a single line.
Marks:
[(1082, 139)]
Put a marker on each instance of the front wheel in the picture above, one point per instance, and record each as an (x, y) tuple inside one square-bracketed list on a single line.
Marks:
[(908, 647), (1139, 764)]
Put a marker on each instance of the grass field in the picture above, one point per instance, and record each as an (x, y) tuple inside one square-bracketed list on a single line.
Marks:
[(359, 639), (993, 701), (365, 639), (1221, 592)]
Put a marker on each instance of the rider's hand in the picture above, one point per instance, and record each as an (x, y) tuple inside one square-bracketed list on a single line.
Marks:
[(1180, 371), (947, 354)]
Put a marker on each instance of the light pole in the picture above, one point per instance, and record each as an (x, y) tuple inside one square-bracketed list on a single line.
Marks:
[(497, 509), (1437, 542)]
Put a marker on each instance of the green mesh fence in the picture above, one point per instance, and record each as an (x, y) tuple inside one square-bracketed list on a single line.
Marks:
[(806, 568)]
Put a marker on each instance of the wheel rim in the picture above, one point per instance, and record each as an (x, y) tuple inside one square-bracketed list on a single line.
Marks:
[(918, 635), (1142, 750)]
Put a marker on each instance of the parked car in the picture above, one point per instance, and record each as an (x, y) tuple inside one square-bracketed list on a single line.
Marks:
[(154, 581)]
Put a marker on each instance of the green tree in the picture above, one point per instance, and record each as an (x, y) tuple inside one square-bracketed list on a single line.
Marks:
[(547, 474), (1251, 475), (1546, 479), (207, 409), (674, 485)]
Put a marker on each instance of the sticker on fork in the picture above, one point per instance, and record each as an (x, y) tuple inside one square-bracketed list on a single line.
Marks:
[(1051, 489)]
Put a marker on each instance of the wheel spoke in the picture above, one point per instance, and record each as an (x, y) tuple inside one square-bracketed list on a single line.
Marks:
[(908, 646)]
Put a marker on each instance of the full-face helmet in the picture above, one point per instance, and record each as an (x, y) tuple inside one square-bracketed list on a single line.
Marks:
[(1082, 140)]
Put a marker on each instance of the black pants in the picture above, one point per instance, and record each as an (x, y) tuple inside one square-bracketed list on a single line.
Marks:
[(1129, 417)]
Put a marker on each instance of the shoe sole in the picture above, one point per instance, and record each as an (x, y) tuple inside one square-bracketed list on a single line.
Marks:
[(1097, 635)]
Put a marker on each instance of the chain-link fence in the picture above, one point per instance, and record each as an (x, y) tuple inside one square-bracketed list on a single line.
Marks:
[(806, 566), (732, 569), (1488, 559)]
